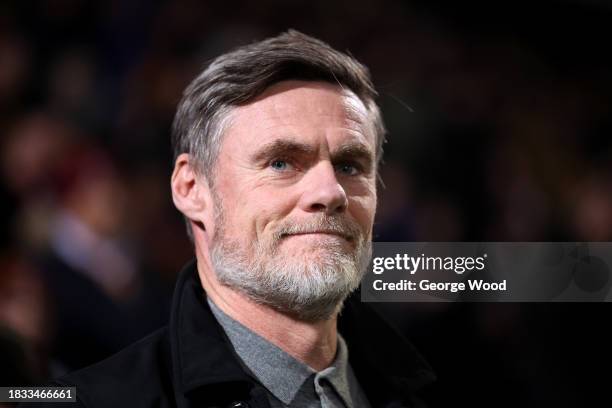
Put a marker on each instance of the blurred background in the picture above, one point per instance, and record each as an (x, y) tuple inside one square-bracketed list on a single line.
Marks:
[(499, 130)]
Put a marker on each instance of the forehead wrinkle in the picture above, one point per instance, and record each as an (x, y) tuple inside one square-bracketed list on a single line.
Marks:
[(354, 108), (354, 114), (347, 113), (350, 108), (357, 118)]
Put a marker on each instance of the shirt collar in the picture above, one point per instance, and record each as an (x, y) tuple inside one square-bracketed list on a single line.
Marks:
[(337, 374)]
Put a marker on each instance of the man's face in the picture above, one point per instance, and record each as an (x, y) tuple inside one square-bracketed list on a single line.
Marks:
[(295, 192)]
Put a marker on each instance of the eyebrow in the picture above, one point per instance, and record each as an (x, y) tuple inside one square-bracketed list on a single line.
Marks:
[(354, 151), (289, 148), (280, 148)]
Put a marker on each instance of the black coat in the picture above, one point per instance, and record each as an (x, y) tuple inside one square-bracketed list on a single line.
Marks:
[(191, 363)]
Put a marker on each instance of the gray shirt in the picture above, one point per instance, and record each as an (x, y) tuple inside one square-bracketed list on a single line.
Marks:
[(291, 383)]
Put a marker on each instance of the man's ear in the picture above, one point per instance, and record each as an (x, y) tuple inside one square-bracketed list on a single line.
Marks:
[(191, 192)]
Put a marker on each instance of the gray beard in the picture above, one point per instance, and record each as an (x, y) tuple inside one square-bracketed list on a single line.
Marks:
[(311, 287)]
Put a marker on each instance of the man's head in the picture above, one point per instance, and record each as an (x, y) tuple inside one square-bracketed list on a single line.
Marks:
[(277, 146)]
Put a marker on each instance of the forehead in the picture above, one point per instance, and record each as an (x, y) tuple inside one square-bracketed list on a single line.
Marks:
[(301, 111)]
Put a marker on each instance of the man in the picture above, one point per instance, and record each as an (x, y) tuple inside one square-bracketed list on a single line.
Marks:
[(276, 151)]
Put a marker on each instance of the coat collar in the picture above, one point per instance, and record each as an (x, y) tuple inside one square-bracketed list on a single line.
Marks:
[(200, 350), (386, 365)]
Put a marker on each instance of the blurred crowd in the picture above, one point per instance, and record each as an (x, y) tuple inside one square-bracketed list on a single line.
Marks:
[(498, 131)]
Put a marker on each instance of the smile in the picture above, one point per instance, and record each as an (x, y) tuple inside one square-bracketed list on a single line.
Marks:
[(322, 232)]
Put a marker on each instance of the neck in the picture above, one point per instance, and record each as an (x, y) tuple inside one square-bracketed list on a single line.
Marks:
[(313, 343)]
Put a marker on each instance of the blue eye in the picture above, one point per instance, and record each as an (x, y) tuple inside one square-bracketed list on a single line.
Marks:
[(347, 169), (279, 164)]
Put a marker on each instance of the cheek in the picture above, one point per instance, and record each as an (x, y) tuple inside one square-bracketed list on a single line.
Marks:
[(249, 212), (271, 209), (363, 209), (364, 200)]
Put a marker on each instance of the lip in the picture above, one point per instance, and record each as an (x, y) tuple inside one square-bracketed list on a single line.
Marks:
[(322, 232)]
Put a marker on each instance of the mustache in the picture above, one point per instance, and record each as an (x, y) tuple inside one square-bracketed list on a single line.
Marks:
[(322, 224)]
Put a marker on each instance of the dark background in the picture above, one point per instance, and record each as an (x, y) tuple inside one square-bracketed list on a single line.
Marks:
[(499, 130)]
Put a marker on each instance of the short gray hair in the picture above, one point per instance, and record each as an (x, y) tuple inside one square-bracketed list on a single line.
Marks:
[(239, 76)]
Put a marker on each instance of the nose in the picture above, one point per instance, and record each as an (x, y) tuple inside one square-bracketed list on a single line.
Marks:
[(322, 191)]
